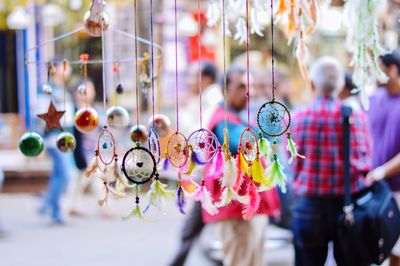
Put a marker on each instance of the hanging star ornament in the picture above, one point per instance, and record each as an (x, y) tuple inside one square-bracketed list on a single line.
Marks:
[(52, 117)]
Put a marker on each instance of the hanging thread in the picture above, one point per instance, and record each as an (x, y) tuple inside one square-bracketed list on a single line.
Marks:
[(176, 67), (199, 59), (152, 60), (224, 67), (103, 56), (248, 63), (272, 51), (136, 65)]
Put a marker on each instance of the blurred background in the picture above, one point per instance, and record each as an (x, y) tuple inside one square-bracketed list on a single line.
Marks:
[(95, 237)]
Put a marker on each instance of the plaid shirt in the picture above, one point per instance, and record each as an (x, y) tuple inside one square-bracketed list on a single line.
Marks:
[(317, 130)]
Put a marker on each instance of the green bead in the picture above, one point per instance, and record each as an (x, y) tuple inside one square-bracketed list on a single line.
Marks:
[(31, 144)]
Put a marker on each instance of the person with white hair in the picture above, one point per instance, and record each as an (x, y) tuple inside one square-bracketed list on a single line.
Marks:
[(318, 182)]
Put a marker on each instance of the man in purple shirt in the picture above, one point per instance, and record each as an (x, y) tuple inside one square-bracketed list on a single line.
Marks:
[(384, 118)]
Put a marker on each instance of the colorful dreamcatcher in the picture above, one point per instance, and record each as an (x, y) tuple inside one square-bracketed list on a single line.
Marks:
[(177, 148), (273, 120), (203, 145), (158, 191)]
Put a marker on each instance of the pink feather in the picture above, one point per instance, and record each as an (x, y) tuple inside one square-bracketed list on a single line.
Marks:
[(204, 196), (239, 175), (250, 209), (218, 164)]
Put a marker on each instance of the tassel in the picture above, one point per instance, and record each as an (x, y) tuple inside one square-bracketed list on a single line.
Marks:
[(158, 191), (103, 201), (135, 212), (291, 147), (204, 196), (258, 175), (180, 199), (218, 164), (276, 174), (92, 168), (254, 202), (264, 146)]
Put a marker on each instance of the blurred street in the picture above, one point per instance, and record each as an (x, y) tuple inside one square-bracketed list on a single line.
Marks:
[(94, 240)]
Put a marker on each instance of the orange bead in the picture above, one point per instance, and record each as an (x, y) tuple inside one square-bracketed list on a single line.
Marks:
[(86, 120)]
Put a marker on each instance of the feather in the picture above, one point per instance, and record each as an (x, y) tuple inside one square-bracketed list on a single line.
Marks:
[(281, 8), (302, 55), (158, 191), (229, 194), (264, 146), (180, 199), (92, 168), (204, 196), (258, 174), (239, 174), (291, 147), (103, 201), (196, 158), (251, 208), (229, 173), (165, 164), (313, 11), (192, 163), (218, 164), (276, 174), (135, 212)]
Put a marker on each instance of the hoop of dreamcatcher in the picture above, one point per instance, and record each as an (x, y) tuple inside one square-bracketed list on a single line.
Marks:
[(273, 119)]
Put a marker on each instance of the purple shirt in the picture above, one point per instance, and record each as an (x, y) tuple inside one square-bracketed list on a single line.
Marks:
[(384, 118)]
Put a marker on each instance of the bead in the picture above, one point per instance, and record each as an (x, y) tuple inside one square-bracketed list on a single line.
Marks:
[(66, 142), (162, 124), (86, 120), (31, 144), (117, 117), (139, 134)]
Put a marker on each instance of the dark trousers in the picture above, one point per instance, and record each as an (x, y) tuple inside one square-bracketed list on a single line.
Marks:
[(314, 226), (190, 231)]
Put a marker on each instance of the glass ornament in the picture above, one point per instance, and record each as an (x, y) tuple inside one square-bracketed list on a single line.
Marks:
[(96, 20), (47, 89), (139, 134), (86, 119), (66, 142), (31, 144), (162, 124), (117, 117)]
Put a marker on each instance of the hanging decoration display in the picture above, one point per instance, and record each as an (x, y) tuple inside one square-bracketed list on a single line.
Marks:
[(86, 118), (273, 120), (117, 116), (96, 20), (363, 42)]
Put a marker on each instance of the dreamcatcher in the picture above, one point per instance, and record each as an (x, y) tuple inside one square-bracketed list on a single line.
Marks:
[(225, 167), (249, 159), (106, 158), (203, 144), (177, 148), (273, 120), (117, 116), (138, 164), (158, 191)]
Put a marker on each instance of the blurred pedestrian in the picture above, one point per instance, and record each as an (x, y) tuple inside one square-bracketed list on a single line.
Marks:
[(242, 241), (319, 180), (350, 93), (62, 163), (384, 118)]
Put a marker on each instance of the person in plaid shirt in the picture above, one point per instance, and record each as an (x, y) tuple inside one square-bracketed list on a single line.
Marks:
[(319, 179)]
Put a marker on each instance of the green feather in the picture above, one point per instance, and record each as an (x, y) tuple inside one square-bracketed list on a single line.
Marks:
[(264, 146), (291, 147), (135, 212), (276, 174), (158, 191)]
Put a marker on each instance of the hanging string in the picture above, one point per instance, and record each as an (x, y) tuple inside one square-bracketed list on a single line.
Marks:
[(136, 66), (199, 55), (152, 60), (102, 57), (248, 63), (176, 67), (64, 73), (224, 56), (272, 50)]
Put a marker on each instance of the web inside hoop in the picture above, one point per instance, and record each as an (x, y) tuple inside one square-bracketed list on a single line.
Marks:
[(177, 150), (106, 146), (205, 144), (249, 144), (154, 145), (138, 165), (273, 118)]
